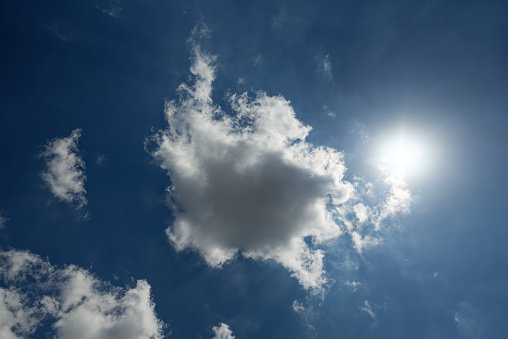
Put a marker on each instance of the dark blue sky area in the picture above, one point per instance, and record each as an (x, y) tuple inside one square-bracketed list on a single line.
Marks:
[(358, 72)]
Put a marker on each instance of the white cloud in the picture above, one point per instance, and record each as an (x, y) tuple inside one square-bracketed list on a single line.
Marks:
[(353, 285), (364, 222), (222, 332), (247, 182), (65, 175), (80, 305), (367, 307)]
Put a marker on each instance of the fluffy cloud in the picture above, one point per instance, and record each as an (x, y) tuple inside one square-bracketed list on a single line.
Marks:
[(246, 181), (78, 304), (222, 332), (64, 175)]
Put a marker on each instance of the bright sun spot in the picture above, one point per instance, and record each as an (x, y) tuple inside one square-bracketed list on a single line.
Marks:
[(402, 156)]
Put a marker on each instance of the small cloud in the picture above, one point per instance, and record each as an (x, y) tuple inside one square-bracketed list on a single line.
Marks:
[(257, 60), (353, 285), (367, 308), (468, 320), (330, 114), (324, 65), (65, 175), (222, 332), (241, 81), (297, 306), (100, 159), (112, 8)]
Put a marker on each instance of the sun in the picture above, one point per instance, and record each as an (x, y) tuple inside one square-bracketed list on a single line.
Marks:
[(402, 155)]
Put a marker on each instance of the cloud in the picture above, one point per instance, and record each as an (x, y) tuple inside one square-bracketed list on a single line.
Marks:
[(324, 65), (247, 182), (113, 9), (65, 175), (78, 304), (367, 307), (468, 320), (257, 59), (353, 285), (222, 332)]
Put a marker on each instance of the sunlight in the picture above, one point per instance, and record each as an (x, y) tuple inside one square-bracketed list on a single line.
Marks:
[(402, 156)]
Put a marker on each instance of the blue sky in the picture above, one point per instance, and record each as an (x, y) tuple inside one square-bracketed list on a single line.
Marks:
[(267, 169)]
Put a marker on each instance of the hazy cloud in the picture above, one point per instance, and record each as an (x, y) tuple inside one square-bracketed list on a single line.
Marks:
[(65, 175), (367, 308), (78, 304), (469, 321), (257, 59), (324, 65), (222, 332), (111, 8)]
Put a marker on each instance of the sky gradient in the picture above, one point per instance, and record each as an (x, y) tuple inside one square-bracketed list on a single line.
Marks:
[(263, 169)]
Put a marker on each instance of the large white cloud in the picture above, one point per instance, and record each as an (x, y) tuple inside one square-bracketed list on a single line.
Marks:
[(246, 181), (65, 175), (78, 304)]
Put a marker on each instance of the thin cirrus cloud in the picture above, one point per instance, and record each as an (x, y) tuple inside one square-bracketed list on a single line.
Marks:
[(324, 65), (248, 182), (222, 331), (64, 174), (77, 303)]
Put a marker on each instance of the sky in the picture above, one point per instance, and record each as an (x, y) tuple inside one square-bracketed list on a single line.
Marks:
[(255, 169)]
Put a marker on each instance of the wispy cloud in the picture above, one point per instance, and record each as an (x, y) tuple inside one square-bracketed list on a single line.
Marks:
[(367, 308), (76, 303), (468, 320), (257, 59), (111, 8), (353, 285), (222, 332), (324, 65), (65, 175)]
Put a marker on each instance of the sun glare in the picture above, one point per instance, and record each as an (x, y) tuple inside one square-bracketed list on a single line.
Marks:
[(402, 156)]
